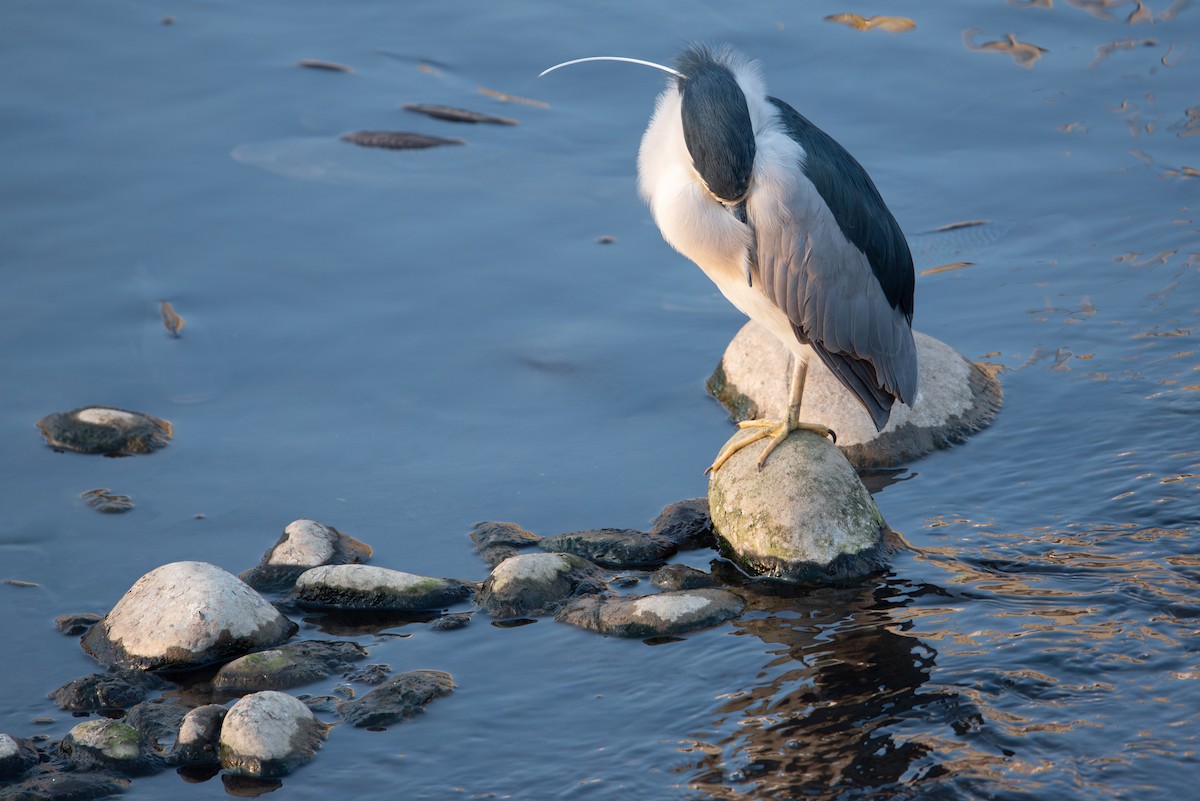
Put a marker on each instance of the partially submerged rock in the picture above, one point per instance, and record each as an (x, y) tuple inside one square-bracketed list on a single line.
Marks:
[(537, 584), (613, 547), (76, 624), (496, 541), (184, 615), (111, 745), (955, 398), (653, 615), (106, 430), (376, 588), (688, 524), (304, 544), (268, 735), (16, 757), (119, 689), (59, 785), (400, 698), (289, 665), (397, 140), (199, 736), (805, 516), (158, 721), (681, 577)]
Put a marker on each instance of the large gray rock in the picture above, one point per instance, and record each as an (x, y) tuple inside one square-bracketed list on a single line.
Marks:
[(268, 735), (537, 584), (184, 615), (376, 588), (658, 615), (303, 544), (805, 516), (955, 398)]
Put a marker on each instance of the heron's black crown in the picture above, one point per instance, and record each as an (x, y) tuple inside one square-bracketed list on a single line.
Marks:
[(716, 123)]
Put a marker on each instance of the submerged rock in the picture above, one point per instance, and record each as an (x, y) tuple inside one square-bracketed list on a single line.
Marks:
[(400, 698), (495, 542), (110, 745), (304, 544), (199, 736), (376, 588), (59, 785), (537, 584), (955, 398), (268, 735), (805, 516), (184, 615), (158, 721), (16, 757), (76, 624), (288, 665), (119, 689), (681, 577), (653, 615), (613, 547), (106, 430)]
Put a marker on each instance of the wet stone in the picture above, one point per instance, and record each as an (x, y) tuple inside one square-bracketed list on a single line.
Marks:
[(199, 733), (653, 615), (376, 588), (397, 140), (57, 785), (105, 430), (119, 689), (109, 745), (369, 674), (613, 547), (537, 584), (76, 624), (804, 517), (450, 622), (304, 544), (495, 542), (16, 757), (184, 615), (158, 721), (687, 524), (268, 735), (681, 577), (289, 665), (398, 699)]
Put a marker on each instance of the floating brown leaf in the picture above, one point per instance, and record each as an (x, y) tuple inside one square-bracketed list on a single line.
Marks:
[(861, 23), (318, 64), (1024, 53), (397, 140), (945, 268), (452, 114), (507, 98), (172, 319)]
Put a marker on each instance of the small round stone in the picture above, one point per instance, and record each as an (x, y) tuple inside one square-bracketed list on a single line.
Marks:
[(537, 584), (183, 615), (199, 733), (268, 735), (105, 430)]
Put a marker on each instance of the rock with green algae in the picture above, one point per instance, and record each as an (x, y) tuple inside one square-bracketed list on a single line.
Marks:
[(367, 587), (289, 665), (109, 745), (805, 517)]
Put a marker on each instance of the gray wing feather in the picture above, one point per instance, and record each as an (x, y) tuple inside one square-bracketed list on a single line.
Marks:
[(829, 292)]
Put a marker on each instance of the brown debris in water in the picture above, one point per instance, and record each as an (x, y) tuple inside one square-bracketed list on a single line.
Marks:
[(397, 140), (105, 500), (1024, 53), (507, 98), (452, 114), (172, 319), (861, 23)]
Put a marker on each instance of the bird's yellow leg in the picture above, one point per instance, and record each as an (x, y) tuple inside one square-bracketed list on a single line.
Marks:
[(775, 429)]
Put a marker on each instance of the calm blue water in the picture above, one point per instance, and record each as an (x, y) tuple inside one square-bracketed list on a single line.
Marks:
[(402, 343)]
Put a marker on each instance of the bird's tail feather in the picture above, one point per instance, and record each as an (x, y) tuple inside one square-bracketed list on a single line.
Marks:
[(858, 376)]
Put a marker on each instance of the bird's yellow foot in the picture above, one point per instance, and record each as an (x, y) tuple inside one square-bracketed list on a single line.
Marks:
[(776, 430)]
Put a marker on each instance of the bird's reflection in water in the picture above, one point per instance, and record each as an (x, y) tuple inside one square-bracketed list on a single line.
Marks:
[(827, 719)]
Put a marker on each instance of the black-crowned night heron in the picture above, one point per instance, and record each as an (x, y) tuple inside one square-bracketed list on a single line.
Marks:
[(789, 227)]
